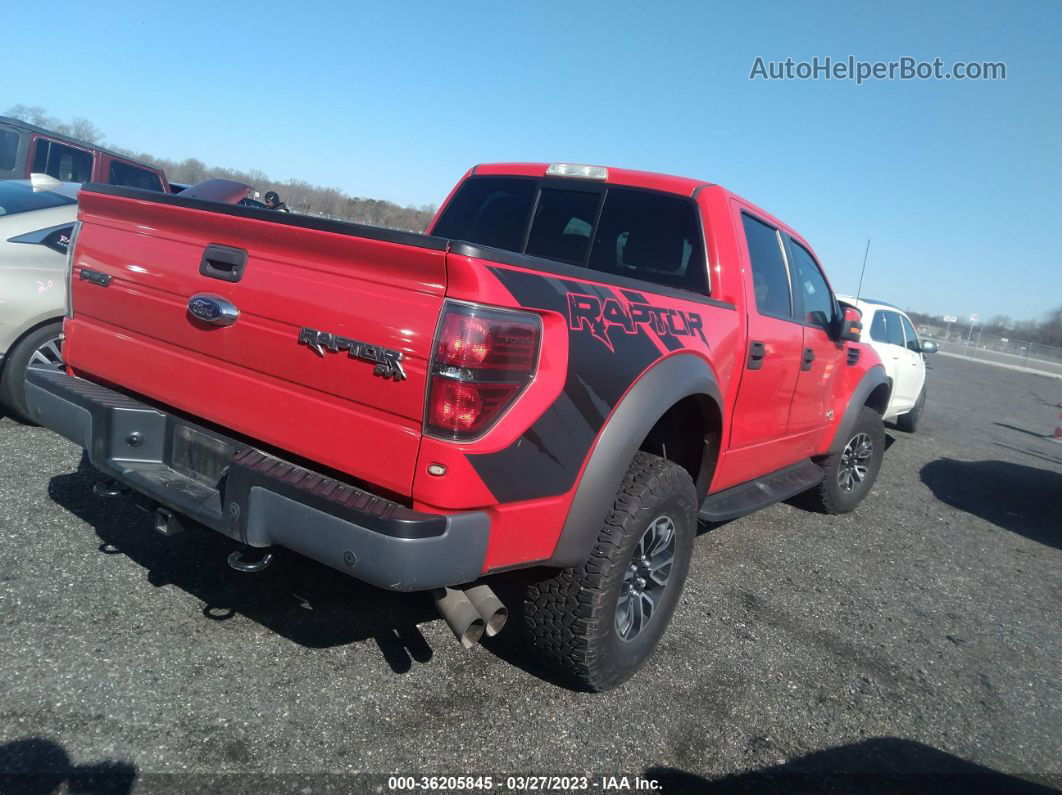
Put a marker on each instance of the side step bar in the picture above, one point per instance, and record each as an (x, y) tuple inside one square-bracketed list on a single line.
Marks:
[(761, 492)]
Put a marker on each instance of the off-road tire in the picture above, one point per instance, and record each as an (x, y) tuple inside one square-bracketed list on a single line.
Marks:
[(13, 377), (570, 618), (908, 423), (829, 496)]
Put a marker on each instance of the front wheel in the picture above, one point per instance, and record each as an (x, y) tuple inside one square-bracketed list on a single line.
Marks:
[(849, 474), (597, 624), (40, 348)]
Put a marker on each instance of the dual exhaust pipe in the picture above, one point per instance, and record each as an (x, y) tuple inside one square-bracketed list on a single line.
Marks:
[(471, 613)]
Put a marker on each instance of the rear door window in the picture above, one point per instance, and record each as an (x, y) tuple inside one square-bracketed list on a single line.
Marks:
[(770, 279), (878, 330), (894, 328), (63, 162), (131, 176)]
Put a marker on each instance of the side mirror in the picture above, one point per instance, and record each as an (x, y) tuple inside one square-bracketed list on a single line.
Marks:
[(928, 346), (851, 324)]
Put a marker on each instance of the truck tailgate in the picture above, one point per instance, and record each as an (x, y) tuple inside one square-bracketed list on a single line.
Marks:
[(138, 263)]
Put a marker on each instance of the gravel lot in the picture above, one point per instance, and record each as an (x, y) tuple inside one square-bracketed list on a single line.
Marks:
[(920, 635)]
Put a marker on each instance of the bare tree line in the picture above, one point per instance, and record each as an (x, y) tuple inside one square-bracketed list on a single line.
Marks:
[(299, 195), (1047, 331)]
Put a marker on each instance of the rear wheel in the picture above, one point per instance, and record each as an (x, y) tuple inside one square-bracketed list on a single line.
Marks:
[(849, 475), (597, 623), (42, 347), (909, 422)]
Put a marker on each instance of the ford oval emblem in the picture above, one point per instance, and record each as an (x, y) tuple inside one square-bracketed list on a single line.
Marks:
[(212, 309)]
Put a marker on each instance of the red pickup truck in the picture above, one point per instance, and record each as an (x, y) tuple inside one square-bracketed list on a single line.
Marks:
[(562, 375)]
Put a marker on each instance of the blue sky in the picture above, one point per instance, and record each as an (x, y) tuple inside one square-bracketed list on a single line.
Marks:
[(958, 183)]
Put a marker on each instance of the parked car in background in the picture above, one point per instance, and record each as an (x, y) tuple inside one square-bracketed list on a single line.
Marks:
[(890, 331), (181, 187), (28, 149), (36, 220)]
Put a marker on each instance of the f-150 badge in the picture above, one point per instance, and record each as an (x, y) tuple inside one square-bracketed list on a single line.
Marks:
[(388, 362)]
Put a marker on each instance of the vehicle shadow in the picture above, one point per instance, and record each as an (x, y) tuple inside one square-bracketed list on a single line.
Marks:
[(300, 599), (878, 765), (38, 766), (1019, 498)]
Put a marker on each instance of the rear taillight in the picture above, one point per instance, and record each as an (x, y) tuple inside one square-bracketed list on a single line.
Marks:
[(482, 360)]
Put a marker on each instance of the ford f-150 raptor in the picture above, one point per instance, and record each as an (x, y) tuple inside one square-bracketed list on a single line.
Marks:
[(563, 374)]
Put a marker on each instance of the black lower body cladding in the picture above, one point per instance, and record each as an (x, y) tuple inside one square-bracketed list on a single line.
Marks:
[(256, 498)]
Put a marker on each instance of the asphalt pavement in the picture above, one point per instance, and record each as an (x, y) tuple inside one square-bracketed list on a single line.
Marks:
[(918, 637)]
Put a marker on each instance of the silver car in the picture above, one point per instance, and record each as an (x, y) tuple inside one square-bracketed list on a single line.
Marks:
[(36, 220)]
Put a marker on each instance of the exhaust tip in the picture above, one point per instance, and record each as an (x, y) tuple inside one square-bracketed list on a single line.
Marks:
[(490, 607), (472, 634)]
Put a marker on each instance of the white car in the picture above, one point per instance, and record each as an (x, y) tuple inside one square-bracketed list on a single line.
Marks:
[(892, 334), (37, 217)]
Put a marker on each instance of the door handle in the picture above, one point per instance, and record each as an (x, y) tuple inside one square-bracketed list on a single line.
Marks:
[(757, 351), (809, 357), (223, 262)]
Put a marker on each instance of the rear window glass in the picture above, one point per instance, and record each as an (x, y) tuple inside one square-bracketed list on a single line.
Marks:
[(650, 236), (564, 220), (130, 176), (17, 197), (8, 149), (639, 234), (489, 211)]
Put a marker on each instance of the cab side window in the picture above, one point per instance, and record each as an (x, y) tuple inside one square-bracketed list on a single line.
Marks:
[(820, 308), (769, 278), (130, 176), (65, 163)]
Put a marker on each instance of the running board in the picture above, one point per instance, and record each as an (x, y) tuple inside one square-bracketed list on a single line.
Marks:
[(761, 492)]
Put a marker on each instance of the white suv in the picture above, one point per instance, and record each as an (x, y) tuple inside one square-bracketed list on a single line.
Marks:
[(890, 332)]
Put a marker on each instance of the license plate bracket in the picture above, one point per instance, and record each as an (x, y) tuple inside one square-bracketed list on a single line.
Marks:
[(200, 455)]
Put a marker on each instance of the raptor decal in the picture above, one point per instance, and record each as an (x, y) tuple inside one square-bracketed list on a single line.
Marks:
[(598, 316)]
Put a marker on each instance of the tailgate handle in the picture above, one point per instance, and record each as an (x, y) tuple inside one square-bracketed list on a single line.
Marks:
[(223, 262)]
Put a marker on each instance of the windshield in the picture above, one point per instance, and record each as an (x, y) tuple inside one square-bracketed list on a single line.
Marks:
[(19, 197)]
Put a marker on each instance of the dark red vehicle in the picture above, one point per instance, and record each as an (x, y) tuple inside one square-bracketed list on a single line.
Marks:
[(563, 374), (27, 149)]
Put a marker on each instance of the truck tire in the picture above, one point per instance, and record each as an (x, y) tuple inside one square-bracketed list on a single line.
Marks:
[(41, 347), (908, 422), (850, 474), (596, 624)]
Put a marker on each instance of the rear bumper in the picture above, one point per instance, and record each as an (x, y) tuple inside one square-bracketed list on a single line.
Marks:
[(256, 498)]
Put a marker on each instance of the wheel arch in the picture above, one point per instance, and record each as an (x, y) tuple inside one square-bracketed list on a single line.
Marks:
[(874, 390), (37, 323), (679, 388)]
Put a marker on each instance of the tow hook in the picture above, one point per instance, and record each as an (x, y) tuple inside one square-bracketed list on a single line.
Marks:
[(108, 487), (238, 562)]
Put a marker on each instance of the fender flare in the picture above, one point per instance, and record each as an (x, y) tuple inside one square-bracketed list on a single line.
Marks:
[(871, 380), (656, 390)]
